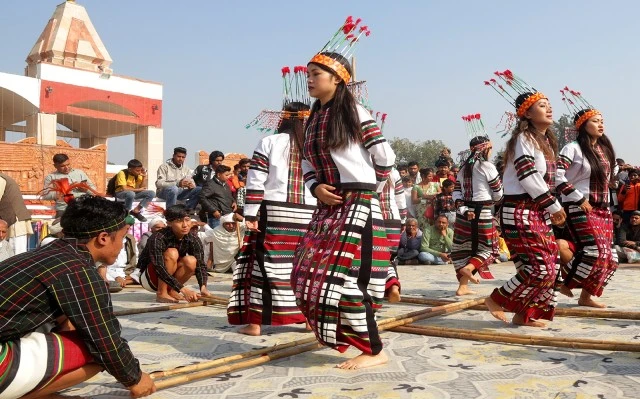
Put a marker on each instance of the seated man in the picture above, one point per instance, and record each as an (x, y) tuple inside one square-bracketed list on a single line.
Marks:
[(216, 198), (154, 225), (437, 242), (227, 239), (171, 257), (59, 284), (409, 247), (630, 238), (174, 181), (62, 164), (130, 186)]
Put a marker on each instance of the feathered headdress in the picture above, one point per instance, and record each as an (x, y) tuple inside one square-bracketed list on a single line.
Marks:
[(342, 43), (475, 128), (294, 89), (515, 90), (580, 108)]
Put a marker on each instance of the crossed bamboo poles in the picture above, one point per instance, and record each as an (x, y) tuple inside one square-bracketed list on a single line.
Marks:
[(401, 323)]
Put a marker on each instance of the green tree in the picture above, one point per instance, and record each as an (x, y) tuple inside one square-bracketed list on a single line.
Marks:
[(424, 152)]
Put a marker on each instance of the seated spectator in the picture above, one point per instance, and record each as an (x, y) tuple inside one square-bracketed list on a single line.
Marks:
[(216, 198), (14, 211), (503, 250), (118, 274), (617, 235), (154, 225), (630, 238), (226, 239), (629, 196), (204, 173), (6, 251), (437, 242), (410, 240), (62, 164), (171, 257), (60, 329), (174, 181), (130, 186), (444, 203)]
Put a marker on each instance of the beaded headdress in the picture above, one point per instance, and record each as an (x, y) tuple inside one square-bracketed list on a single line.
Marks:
[(515, 90), (360, 93), (475, 128), (579, 106), (294, 89), (343, 44)]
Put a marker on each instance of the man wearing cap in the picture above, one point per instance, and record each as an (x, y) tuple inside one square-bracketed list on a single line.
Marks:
[(174, 181), (227, 240), (171, 257), (57, 326)]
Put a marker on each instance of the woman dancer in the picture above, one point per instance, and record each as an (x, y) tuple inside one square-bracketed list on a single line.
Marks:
[(527, 209), (583, 177), (478, 185), (277, 211), (341, 264)]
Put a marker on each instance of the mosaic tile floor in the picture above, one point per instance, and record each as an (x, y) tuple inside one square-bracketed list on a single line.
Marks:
[(419, 366)]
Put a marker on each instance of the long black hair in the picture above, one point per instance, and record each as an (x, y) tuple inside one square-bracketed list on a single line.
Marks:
[(344, 123), (294, 126), (597, 169)]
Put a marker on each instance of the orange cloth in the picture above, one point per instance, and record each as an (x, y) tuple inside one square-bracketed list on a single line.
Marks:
[(629, 200)]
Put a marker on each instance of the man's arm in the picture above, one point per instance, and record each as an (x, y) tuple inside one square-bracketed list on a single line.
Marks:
[(83, 297), (197, 250)]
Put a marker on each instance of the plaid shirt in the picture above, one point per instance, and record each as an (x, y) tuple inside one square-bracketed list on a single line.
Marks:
[(159, 242), (575, 179), (61, 279)]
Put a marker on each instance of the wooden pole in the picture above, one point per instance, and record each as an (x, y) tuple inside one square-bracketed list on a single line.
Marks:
[(519, 339), (561, 312), (165, 308), (427, 313)]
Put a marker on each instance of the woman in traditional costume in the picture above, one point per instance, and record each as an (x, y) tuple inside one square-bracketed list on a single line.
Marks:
[(278, 210), (478, 186), (341, 264), (529, 208), (584, 174)]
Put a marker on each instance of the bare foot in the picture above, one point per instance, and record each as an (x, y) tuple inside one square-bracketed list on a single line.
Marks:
[(518, 320), (250, 329), (176, 296), (307, 326), (587, 300), (564, 290), (495, 309), (464, 290), (364, 360), (165, 299), (467, 272), (394, 294)]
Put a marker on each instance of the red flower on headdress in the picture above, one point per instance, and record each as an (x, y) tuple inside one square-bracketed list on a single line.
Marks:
[(477, 116), (285, 70), (384, 117)]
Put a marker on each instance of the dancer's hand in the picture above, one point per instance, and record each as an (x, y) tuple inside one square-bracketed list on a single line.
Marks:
[(559, 218), (586, 207), (253, 226), (324, 193), (471, 215)]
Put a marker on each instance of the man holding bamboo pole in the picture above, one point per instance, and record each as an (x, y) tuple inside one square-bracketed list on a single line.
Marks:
[(57, 327)]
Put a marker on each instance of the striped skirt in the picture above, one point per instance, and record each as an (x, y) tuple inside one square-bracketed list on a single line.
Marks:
[(393, 229), (527, 230), (261, 292), (340, 269), (475, 242), (594, 261), (34, 361)]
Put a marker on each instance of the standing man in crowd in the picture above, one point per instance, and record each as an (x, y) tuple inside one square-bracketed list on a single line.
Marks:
[(15, 213), (131, 185), (414, 169), (204, 173), (64, 171), (437, 242), (58, 284), (442, 172), (174, 181), (216, 198), (629, 196), (171, 257)]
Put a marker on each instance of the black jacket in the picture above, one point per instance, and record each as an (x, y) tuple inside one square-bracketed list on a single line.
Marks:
[(216, 196)]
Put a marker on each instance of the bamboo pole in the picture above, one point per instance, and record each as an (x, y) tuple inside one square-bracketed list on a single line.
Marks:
[(267, 357), (204, 369), (519, 339), (164, 308), (561, 312)]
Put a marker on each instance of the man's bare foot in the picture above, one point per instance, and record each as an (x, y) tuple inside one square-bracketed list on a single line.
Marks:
[(364, 360), (467, 272), (464, 289), (518, 320), (587, 300), (307, 326), (178, 297), (564, 290), (165, 299), (495, 309), (394, 294), (250, 329)]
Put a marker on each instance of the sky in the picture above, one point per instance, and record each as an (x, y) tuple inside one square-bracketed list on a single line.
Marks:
[(424, 63)]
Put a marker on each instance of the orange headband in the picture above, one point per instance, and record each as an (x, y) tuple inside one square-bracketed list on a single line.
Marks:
[(532, 99), (336, 66), (296, 114), (586, 116)]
